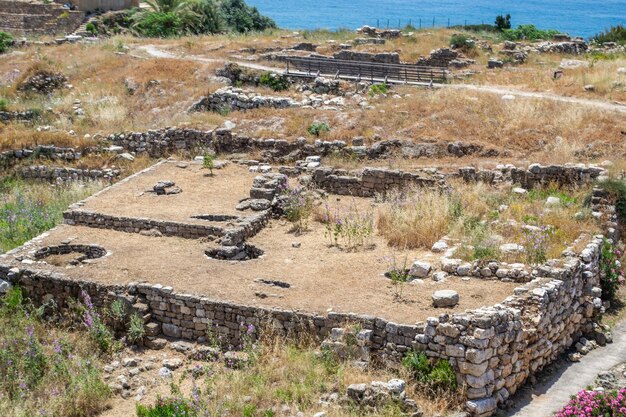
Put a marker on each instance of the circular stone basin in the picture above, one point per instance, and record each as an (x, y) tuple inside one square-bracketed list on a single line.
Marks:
[(243, 252), (63, 253)]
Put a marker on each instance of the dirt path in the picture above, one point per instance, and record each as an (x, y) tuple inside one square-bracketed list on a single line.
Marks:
[(154, 51), (546, 398)]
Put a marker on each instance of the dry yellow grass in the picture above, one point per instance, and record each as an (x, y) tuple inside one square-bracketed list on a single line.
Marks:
[(523, 128), (414, 218)]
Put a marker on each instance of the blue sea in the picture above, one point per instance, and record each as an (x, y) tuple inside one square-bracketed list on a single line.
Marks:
[(575, 17)]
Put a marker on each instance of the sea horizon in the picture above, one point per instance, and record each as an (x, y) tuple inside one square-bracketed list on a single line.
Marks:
[(577, 18)]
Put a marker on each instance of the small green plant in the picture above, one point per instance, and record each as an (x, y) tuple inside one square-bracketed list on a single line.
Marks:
[(6, 41), (96, 327), (208, 161), (611, 273), (536, 243), (437, 377), (4, 104), (91, 28), (318, 128), (167, 407), (398, 273), (224, 110), (274, 81), (297, 205), (136, 329), (117, 311), (378, 89), (352, 226)]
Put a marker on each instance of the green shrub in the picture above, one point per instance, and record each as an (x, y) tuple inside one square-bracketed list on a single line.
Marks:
[(274, 81), (6, 40), (615, 34), (159, 24), (91, 28), (377, 89), (318, 128), (4, 104), (438, 376), (204, 17), (528, 33), (611, 273), (463, 42)]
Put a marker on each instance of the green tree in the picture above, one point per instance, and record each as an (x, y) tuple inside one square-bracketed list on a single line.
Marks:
[(503, 22), (242, 18)]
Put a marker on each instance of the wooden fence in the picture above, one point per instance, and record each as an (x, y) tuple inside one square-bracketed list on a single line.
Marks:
[(365, 71)]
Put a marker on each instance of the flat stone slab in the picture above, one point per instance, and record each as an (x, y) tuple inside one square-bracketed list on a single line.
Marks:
[(445, 298)]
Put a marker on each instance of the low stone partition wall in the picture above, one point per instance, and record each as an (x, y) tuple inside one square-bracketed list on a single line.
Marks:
[(371, 181), (10, 116), (137, 225), (232, 99), (11, 157), (64, 174), (535, 175)]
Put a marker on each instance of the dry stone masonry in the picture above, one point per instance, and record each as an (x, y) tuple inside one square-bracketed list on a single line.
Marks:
[(493, 350), (64, 174), (230, 98)]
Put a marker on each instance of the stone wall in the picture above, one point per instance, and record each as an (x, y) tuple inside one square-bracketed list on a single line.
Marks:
[(105, 5), (444, 57), (232, 99), (493, 349), (137, 225), (64, 174), (11, 157), (535, 175), (371, 181), (24, 18), (163, 142), (25, 116), (381, 58)]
